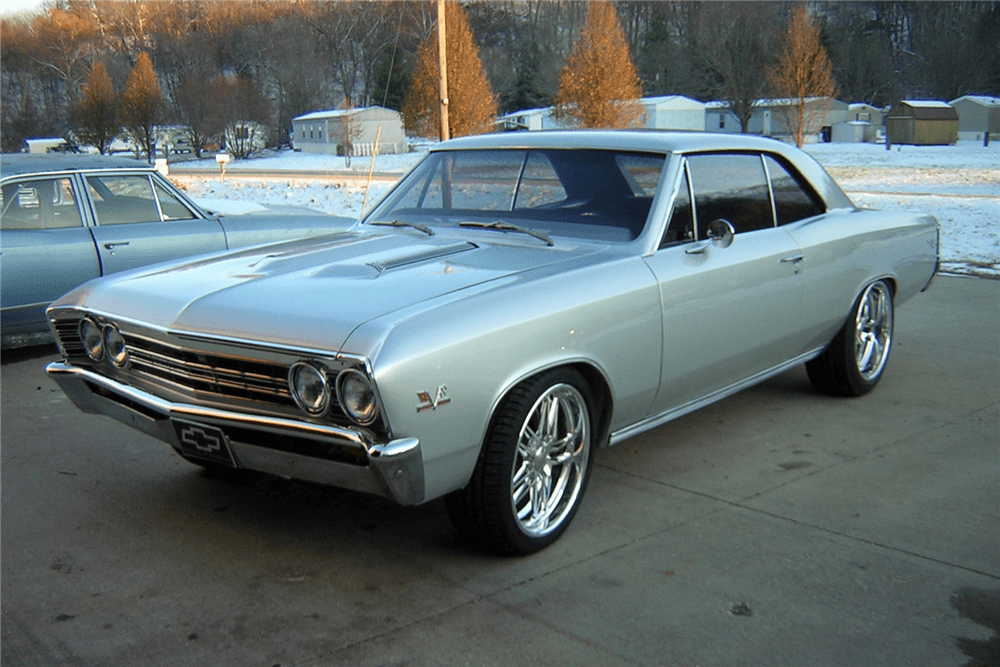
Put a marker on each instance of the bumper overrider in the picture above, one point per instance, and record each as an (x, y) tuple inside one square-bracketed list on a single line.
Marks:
[(325, 454)]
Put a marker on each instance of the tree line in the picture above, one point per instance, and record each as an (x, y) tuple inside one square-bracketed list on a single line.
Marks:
[(218, 62)]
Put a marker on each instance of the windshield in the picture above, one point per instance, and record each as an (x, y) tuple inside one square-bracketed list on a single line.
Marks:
[(590, 194)]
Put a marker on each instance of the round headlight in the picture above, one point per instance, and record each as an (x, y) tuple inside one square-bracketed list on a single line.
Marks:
[(92, 338), (309, 388), (114, 346), (357, 396)]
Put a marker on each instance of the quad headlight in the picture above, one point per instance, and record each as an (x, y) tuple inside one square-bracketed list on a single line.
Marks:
[(92, 337), (309, 387), (357, 396), (114, 346)]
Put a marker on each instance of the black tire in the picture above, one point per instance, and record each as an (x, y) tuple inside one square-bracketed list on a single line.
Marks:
[(854, 361), (528, 482)]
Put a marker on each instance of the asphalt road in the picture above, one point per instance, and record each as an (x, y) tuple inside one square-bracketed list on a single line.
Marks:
[(779, 527)]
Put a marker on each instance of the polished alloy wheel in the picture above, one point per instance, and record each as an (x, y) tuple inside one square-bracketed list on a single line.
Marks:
[(873, 330), (550, 463)]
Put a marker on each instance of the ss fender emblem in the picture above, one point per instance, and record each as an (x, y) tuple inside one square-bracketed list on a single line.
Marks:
[(427, 403)]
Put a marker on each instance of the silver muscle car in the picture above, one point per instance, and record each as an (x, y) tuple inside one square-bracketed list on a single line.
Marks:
[(65, 219), (513, 303)]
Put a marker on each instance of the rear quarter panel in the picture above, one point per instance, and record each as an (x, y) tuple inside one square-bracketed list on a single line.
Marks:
[(845, 250)]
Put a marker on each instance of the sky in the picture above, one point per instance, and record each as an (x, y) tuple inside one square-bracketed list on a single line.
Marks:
[(11, 7)]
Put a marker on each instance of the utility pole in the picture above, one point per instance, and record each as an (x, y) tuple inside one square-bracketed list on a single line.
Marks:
[(443, 67)]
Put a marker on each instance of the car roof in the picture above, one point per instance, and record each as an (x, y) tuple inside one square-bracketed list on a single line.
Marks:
[(659, 141), (19, 164), (629, 140)]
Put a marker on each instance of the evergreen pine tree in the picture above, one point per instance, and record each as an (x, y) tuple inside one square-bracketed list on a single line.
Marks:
[(142, 104), (472, 106), (95, 119), (804, 75), (599, 87)]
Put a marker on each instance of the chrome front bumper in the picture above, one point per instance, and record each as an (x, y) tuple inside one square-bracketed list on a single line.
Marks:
[(330, 455)]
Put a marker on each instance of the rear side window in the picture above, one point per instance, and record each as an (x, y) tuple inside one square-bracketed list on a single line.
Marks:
[(122, 200), (792, 201), (730, 187), (43, 204)]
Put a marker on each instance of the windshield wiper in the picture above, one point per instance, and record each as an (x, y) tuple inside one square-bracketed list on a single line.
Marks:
[(507, 227), (402, 223)]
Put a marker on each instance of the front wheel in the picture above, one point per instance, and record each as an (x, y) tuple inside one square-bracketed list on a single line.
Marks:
[(533, 470), (854, 361)]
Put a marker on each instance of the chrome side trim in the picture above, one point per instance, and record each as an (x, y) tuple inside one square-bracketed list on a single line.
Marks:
[(392, 469), (658, 420)]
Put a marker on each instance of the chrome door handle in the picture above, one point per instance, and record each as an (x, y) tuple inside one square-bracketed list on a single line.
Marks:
[(112, 246), (794, 259)]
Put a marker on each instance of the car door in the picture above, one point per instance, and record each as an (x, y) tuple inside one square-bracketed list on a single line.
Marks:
[(45, 249), (140, 222), (729, 313)]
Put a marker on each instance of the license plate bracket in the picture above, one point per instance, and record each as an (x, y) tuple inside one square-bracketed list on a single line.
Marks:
[(204, 443)]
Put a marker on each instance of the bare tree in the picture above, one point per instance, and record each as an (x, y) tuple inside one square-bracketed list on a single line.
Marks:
[(736, 54), (95, 119), (599, 87), (804, 76), (245, 113), (142, 105), (348, 132)]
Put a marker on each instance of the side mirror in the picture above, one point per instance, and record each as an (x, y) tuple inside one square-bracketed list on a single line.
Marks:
[(721, 233)]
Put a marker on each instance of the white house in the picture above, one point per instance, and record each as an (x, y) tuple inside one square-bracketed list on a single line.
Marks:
[(529, 119), (323, 131), (674, 112), (977, 114), (670, 112)]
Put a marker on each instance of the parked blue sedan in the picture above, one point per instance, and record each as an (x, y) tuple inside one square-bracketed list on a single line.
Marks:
[(65, 219)]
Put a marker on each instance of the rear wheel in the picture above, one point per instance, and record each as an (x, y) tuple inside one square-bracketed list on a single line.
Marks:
[(533, 469), (854, 361)]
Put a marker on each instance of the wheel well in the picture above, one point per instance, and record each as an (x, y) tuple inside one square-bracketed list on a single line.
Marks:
[(602, 397)]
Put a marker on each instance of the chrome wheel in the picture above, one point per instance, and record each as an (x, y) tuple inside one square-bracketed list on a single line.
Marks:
[(855, 359), (550, 462), (873, 331), (533, 469)]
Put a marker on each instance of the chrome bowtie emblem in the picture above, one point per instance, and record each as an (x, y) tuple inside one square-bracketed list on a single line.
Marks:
[(440, 398), (201, 440)]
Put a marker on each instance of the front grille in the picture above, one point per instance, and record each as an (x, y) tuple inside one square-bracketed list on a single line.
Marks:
[(220, 375), (199, 371)]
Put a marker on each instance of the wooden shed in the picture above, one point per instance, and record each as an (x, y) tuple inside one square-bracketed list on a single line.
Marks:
[(922, 123)]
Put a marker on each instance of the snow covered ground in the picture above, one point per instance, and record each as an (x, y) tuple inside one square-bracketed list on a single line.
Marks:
[(960, 185)]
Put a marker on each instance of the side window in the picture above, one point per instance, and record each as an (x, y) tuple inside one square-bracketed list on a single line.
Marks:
[(792, 202), (732, 187), (120, 200), (172, 207), (681, 226), (43, 204), (642, 172)]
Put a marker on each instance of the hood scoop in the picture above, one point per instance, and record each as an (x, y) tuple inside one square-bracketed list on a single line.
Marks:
[(415, 257)]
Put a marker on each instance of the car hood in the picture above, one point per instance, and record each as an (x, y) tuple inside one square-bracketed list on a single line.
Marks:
[(313, 292)]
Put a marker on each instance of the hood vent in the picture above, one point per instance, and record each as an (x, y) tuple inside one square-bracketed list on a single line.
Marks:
[(429, 254)]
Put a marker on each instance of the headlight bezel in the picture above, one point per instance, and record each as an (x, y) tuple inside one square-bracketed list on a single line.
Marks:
[(326, 391), (347, 397), (115, 348), (93, 342)]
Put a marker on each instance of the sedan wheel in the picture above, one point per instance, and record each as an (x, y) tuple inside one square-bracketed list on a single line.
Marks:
[(855, 359), (534, 467)]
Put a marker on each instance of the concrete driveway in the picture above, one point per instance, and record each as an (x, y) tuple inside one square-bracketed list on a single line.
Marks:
[(778, 527)]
